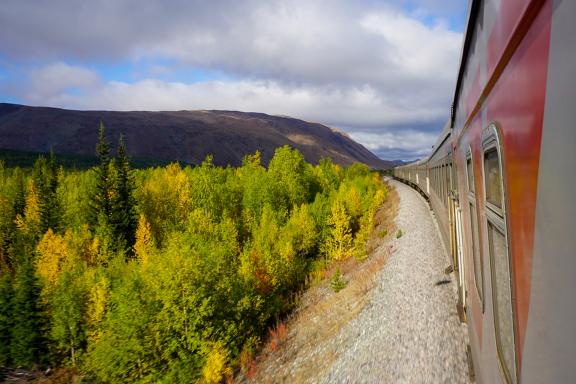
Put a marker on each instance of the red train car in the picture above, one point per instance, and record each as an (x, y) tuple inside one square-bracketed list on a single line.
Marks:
[(501, 181)]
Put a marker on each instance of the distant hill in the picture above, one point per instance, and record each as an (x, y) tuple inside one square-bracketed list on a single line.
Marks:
[(186, 136), (398, 163)]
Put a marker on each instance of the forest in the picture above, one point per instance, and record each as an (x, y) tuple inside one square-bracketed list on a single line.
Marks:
[(169, 273)]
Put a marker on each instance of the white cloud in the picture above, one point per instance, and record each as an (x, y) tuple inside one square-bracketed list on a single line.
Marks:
[(412, 142), (58, 78), (366, 66), (419, 50), (341, 106)]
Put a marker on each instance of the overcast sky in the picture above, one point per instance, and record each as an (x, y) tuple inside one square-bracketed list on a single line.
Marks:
[(383, 71)]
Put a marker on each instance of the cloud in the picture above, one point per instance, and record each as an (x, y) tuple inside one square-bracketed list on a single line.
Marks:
[(56, 79), (365, 108), (403, 144), (361, 66)]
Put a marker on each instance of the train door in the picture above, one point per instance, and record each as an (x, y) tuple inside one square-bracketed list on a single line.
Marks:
[(456, 236)]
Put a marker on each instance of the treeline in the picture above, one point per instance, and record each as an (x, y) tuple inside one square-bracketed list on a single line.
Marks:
[(167, 274)]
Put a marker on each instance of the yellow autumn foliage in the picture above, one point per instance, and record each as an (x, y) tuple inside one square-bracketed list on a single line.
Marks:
[(31, 220), (216, 367), (179, 182), (340, 240), (144, 241), (52, 251), (354, 202), (97, 303)]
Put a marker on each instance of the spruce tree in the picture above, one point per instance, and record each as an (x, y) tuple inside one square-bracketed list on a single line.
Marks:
[(102, 198), (28, 347), (124, 212), (19, 193), (6, 294), (45, 175)]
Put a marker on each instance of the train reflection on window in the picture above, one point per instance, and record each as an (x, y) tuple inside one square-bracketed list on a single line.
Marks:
[(493, 180), (470, 175)]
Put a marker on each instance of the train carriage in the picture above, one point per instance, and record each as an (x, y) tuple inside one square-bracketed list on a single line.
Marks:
[(501, 182)]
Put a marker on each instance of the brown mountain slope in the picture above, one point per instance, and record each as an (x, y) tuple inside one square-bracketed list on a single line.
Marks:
[(186, 136)]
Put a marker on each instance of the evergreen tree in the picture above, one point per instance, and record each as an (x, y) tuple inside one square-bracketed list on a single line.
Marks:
[(45, 175), (103, 193), (123, 204), (28, 345), (5, 315), (19, 193)]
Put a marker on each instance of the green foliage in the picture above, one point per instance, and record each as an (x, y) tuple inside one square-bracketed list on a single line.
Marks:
[(26, 159), (68, 328), (340, 239), (218, 255), (6, 321), (290, 178), (103, 191), (399, 234), (45, 175), (123, 202), (113, 202), (28, 345), (125, 351), (338, 282)]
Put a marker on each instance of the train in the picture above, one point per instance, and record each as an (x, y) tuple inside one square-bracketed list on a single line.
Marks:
[(501, 182)]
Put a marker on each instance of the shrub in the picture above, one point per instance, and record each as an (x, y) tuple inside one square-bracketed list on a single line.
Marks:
[(216, 367), (338, 281)]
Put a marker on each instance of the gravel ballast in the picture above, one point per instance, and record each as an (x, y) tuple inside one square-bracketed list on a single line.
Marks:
[(409, 332)]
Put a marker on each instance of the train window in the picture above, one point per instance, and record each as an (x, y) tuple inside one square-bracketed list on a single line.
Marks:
[(492, 177), (478, 268), (448, 178), (437, 181), (446, 182), (501, 267), (442, 183), (470, 172)]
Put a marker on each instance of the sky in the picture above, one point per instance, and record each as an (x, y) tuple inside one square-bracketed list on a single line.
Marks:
[(382, 71)]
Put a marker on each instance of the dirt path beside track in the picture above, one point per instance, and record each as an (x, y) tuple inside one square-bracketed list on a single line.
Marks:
[(410, 331)]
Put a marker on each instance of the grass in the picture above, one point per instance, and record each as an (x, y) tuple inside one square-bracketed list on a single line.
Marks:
[(399, 234), (323, 312)]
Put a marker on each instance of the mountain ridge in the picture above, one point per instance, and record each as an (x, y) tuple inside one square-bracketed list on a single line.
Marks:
[(184, 135)]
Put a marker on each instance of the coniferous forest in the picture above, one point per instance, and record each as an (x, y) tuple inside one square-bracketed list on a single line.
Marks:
[(166, 274)]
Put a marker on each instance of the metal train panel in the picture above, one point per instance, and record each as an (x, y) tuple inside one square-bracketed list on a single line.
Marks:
[(486, 186)]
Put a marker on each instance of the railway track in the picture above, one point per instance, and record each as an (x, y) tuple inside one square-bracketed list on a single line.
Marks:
[(410, 331)]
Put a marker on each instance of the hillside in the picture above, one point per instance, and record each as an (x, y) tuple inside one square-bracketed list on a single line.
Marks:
[(186, 136)]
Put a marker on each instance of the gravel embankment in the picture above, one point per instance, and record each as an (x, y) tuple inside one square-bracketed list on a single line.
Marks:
[(409, 332)]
